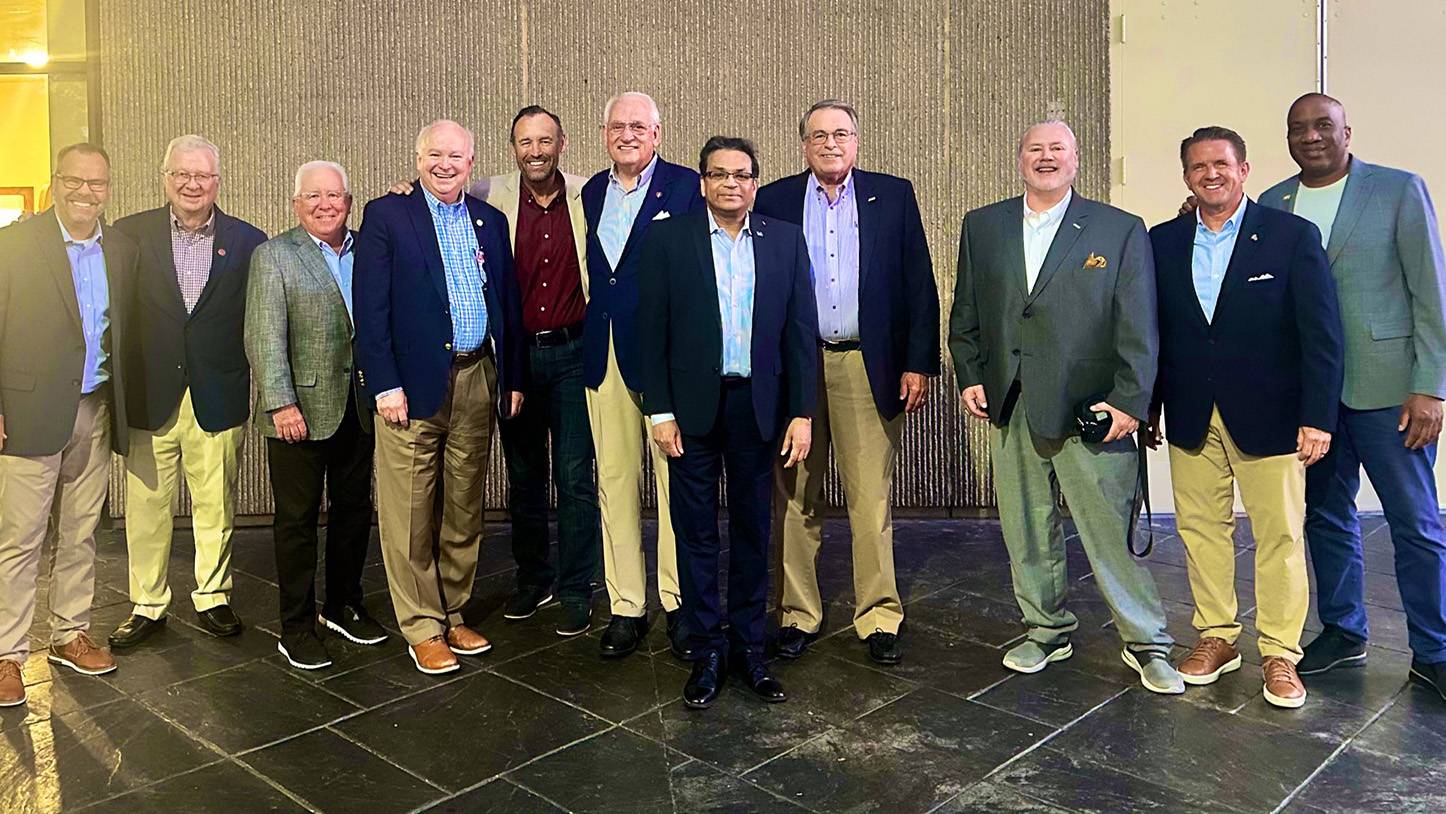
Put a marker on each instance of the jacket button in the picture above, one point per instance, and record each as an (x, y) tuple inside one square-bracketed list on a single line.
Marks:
[(1015, 352), (612, 281), (715, 369), (605, 315), (1028, 313)]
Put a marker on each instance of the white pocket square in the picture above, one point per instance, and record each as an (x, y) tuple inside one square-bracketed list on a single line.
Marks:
[(1260, 278), (663, 215)]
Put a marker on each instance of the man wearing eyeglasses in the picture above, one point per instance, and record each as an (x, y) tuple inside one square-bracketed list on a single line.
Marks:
[(63, 284), (878, 317), (191, 393), (298, 338), (621, 205), (727, 341)]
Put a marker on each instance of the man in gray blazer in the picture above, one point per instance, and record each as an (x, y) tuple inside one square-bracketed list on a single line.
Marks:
[(1380, 233), (1054, 307), (298, 340)]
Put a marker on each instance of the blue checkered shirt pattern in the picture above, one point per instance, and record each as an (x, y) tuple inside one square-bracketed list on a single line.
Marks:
[(466, 272)]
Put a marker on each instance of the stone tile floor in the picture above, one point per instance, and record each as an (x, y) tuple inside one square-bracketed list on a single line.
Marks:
[(542, 724)]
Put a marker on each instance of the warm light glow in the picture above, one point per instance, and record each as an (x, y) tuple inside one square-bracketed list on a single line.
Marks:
[(35, 58)]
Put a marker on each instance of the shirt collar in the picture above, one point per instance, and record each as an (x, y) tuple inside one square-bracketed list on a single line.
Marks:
[(84, 244), (714, 228), (1050, 215), (207, 228), (435, 204), (844, 187), (326, 247), (644, 178), (1232, 223)]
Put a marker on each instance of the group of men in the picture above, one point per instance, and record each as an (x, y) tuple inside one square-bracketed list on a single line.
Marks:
[(730, 329)]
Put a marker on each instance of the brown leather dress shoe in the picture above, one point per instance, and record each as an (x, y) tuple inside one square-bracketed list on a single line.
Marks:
[(433, 656), (82, 656), (465, 641), (12, 686), (1211, 658), (1282, 685)]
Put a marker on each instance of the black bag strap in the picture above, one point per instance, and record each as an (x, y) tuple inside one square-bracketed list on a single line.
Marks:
[(1142, 497)]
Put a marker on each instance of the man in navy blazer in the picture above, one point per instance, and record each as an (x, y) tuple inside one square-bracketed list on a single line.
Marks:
[(621, 205), (1251, 361), (726, 343), (438, 347), (878, 315)]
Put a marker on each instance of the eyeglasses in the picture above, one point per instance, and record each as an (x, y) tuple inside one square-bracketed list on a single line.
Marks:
[(73, 183), (330, 197), (182, 178), (821, 137), (719, 176), (636, 128)]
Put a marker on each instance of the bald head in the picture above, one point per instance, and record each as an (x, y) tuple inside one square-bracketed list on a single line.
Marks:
[(1319, 139)]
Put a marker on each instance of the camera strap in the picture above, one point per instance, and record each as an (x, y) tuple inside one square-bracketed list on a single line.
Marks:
[(1142, 498)]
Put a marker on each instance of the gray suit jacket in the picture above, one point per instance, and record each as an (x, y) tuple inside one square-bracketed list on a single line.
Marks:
[(298, 335), (505, 191), (1086, 329), (1385, 254)]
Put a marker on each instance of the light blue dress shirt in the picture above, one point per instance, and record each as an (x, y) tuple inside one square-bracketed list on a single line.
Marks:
[(92, 293), (339, 264), (734, 273), (831, 230), (620, 209), (1211, 258), (466, 272)]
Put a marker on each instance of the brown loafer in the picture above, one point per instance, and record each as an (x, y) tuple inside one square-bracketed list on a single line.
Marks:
[(82, 656), (465, 641), (1211, 658), (1282, 684), (433, 656), (12, 686)]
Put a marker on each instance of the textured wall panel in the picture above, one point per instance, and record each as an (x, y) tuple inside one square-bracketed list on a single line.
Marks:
[(943, 89)]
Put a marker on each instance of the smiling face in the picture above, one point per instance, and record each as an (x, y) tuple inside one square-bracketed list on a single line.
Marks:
[(444, 160), (323, 203), (1048, 158), (728, 195), (537, 144), (631, 133), (1318, 138), (80, 209), (830, 144), (192, 182), (1215, 175)]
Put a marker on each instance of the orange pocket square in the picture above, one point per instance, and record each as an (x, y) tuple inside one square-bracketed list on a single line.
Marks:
[(1096, 261)]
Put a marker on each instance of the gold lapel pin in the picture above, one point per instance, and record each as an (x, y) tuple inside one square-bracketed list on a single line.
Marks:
[(658, 194)]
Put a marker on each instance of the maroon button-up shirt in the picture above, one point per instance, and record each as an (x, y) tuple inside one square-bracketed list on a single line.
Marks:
[(547, 269)]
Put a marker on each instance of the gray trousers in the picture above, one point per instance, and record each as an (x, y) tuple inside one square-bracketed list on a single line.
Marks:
[(1098, 482)]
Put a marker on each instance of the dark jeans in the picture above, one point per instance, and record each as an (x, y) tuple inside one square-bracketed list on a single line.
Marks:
[(344, 463), (1404, 481), (734, 446), (554, 405)]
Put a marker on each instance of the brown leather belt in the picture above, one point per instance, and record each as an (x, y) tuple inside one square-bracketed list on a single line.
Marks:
[(471, 357)]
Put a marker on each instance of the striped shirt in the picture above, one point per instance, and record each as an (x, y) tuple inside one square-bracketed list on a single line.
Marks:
[(466, 271), (831, 230), (191, 252), (620, 209)]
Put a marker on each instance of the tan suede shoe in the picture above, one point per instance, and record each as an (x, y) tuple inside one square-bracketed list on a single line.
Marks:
[(1282, 685), (82, 656), (433, 656), (465, 641), (1211, 658), (12, 686)]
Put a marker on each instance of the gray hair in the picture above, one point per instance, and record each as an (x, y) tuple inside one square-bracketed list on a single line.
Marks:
[(425, 134), (828, 104), (321, 165), (632, 94), (1019, 148), (190, 143)]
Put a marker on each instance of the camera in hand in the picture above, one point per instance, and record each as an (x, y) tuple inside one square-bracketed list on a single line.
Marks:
[(1094, 425)]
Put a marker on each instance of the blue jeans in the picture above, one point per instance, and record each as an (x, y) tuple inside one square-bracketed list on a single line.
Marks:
[(1407, 489)]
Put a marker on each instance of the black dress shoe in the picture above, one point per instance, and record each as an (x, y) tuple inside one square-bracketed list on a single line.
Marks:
[(678, 639), (1432, 676), (623, 635), (1331, 649), (134, 630), (705, 682), (354, 624), (884, 647), (219, 621), (765, 686), (792, 642)]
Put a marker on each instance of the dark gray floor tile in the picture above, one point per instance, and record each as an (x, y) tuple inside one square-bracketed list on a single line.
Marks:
[(1076, 784), (956, 612), (222, 786), (992, 797), (1055, 696), (391, 678), (64, 693), (1413, 729), (615, 689), (932, 658), (467, 731), (497, 797), (1360, 780), (334, 774), (185, 654), (613, 770)]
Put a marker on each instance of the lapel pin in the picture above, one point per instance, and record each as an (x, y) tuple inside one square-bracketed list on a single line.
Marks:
[(658, 194), (221, 252), (1076, 225), (479, 221), (872, 198), (1285, 197), (1255, 237)]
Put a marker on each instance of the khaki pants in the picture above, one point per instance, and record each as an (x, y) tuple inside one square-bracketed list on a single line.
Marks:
[(619, 433), (865, 446), (1273, 491), (429, 502), (63, 492), (212, 463)]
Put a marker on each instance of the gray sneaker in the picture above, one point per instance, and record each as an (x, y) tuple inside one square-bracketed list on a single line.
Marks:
[(1030, 656), (1156, 672)]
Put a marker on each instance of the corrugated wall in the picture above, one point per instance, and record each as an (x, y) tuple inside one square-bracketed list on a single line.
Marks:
[(943, 89)]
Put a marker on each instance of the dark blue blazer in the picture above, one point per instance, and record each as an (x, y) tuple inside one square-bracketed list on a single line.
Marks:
[(1272, 360), (680, 335), (613, 292), (171, 350), (403, 317), (898, 299)]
